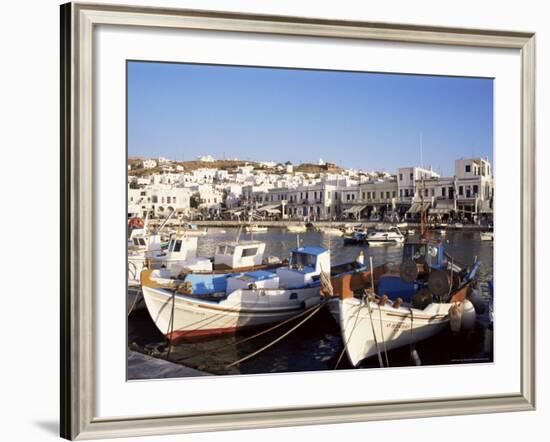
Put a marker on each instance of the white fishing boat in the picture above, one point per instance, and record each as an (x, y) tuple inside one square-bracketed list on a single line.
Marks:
[(300, 228), (487, 236), (248, 299), (370, 327), (385, 235), (255, 228)]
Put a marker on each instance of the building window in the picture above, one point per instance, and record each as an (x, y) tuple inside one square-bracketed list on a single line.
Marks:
[(169, 200), (443, 191), (406, 192), (432, 192), (401, 193), (174, 199), (363, 195), (352, 196), (411, 176), (400, 177), (347, 197), (425, 192), (476, 189), (468, 168), (394, 193), (388, 195), (460, 190)]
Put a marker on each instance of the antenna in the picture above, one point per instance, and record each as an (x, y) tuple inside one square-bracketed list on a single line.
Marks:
[(421, 156)]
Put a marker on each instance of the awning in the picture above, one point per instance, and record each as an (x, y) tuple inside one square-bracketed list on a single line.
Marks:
[(443, 207), (235, 212), (271, 208), (354, 210), (417, 207)]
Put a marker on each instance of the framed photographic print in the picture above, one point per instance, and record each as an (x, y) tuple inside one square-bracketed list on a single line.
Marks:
[(255, 206)]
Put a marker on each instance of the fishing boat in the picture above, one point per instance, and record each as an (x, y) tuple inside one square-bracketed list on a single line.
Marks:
[(180, 309), (300, 228), (255, 228), (385, 235), (486, 236), (373, 324), (410, 304)]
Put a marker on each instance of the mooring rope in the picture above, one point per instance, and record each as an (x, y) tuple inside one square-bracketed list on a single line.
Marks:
[(138, 291), (382, 334), (380, 361), (171, 325), (265, 347), (249, 338), (349, 338)]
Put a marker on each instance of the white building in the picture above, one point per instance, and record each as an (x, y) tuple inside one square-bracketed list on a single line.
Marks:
[(158, 200), (206, 159), (148, 164)]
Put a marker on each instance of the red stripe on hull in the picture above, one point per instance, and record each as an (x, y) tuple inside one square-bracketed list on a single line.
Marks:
[(189, 334)]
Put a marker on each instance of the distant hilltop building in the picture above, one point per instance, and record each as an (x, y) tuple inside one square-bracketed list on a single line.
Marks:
[(321, 162), (206, 159), (162, 160), (148, 164)]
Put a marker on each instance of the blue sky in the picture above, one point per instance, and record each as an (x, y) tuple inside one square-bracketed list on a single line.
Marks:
[(363, 120)]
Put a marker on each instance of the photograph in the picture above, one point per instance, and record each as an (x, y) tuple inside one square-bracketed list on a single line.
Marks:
[(296, 220)]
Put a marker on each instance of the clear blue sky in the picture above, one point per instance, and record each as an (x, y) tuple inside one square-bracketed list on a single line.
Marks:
[(362, 120)]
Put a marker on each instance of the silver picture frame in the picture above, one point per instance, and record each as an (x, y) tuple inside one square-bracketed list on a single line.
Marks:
[(78, 21)]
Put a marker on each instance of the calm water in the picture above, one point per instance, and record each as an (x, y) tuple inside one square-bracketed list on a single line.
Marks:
[(316, 345)]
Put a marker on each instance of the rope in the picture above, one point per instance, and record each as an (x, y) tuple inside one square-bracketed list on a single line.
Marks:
[(265, 347), (412, 335), (171, 324), (382, 334), (135, 301), (380, 361), (349, 338), (249, 338)]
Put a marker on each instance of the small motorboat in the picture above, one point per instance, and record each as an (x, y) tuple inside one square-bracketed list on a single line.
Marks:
[(487, 236), (255, 228), (385, 235), (358, 236), (299, 228), (193, 230)]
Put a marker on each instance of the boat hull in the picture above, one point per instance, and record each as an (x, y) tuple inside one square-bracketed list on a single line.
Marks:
[(392, 326), (193, 317)]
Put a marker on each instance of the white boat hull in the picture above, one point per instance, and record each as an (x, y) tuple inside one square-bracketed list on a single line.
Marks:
[(297, 229), (193, 317), (391, 325)]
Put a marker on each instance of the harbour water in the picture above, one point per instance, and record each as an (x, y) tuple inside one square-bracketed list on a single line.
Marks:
[(317, 345)]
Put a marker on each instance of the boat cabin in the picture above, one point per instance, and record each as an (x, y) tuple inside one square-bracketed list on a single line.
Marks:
[(305, 267), (139, 240), (429, 252), (236, 255), (182, 247)]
